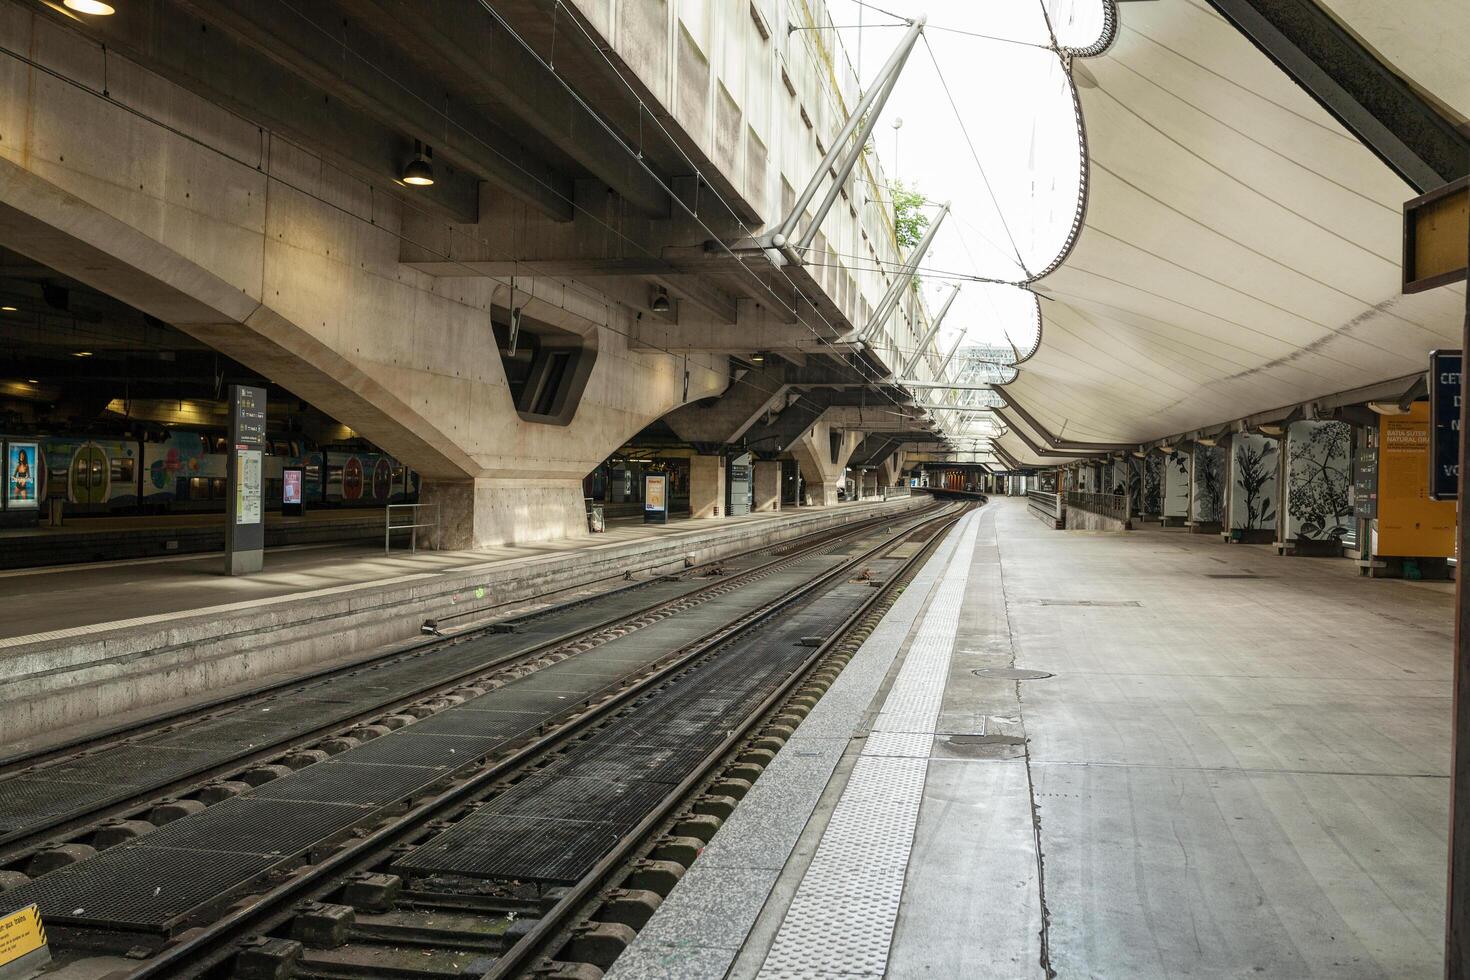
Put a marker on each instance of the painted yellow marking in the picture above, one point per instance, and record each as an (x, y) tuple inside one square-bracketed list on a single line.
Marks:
[(21, 932)]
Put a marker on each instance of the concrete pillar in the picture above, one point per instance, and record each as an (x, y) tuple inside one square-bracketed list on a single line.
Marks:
[(767, 484), (869, 484), (706, 486), (822, 454), (482, 513)]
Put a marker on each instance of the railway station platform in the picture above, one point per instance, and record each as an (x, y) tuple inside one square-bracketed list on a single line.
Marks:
[(89, 647), (93, 539), (1144, 755)]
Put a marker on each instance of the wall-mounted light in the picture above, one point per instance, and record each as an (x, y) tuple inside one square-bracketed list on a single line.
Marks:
[(94, 7), (660, 301), (420, 170), (1388, 408), (757, 358)]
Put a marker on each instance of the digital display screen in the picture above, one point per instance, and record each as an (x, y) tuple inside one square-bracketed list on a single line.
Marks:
[(291, 486)]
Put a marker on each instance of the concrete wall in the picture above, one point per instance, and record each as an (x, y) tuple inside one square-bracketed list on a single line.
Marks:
[(265, 251)]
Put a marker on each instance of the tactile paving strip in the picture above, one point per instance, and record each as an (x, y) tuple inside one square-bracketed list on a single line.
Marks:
[(841, 920)]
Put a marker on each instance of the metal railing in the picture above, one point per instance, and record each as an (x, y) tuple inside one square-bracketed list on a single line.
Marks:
[(1111, 505), (414, 512), (1045, 505)]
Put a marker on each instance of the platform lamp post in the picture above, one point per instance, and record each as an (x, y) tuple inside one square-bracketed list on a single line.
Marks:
[(1437, 253)]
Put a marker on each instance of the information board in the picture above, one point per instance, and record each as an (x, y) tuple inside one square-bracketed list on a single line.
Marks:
[(1410, 525), (1444, 429), (245, 519), (1365, 476), (23, 937), (655, 498)]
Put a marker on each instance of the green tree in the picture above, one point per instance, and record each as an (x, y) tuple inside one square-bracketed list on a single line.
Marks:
[(909, 219)]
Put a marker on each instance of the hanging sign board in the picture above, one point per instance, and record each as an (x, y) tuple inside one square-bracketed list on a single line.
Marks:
[(1437, 237), (1444, 428), (1410, 525), (655, 498), (245, 518)]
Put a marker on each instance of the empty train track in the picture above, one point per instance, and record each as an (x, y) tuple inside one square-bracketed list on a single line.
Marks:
[(337, 822)]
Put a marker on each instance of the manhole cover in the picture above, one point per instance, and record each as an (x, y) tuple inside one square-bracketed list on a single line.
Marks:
[(1010, 673)]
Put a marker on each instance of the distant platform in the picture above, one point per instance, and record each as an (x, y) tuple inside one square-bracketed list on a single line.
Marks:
[(84, 644)]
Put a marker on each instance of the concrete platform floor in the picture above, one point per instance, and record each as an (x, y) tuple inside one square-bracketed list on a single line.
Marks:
[(61, 597), (1239, 767)]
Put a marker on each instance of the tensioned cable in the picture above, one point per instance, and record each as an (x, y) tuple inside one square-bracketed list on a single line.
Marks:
[(951, 30), (975, 154)]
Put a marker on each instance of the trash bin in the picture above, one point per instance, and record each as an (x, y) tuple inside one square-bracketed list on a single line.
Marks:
[(595, 521)]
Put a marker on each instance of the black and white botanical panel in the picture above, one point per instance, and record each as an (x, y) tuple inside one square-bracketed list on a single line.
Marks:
[(1176, 485), (1319, 477), (1153, 484), (1253, 464), (1209, 484)]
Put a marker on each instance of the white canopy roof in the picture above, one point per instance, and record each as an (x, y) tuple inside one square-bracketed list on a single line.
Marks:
[(1241, 250)]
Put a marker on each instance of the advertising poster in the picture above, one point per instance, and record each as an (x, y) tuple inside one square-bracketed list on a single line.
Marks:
[(291, 486), (1410, 524), (655, 498), (1444, 430), (22, 475)]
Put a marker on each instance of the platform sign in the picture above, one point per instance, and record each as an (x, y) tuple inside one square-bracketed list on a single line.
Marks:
[(23, 948), (655, 498), (1365, 476), (1444, 429), (22, 475), (245, 517)]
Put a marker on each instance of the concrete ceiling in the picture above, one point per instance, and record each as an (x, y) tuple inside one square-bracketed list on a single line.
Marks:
[(1241, 249)]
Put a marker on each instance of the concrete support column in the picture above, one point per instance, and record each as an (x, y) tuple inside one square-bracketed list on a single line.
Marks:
[(767, 484), (483, 513), (706, 486), (869, 484)]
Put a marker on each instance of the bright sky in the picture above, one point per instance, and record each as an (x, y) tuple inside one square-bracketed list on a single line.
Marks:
[(1014, 181)]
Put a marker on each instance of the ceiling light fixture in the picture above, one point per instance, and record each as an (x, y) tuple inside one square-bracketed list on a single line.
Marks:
[(33, 381), (757, 358), (81, 353), (1388, 408), (94, 7), (7, 309), (660, 302), (420, 170)]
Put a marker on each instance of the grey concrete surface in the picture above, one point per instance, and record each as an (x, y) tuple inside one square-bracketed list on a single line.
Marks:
[(128, 637), (1225, 777)]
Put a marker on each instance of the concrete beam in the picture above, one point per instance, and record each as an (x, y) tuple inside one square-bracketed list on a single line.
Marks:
[(217, 66), (355, 67), (724, 420), (486, 62)]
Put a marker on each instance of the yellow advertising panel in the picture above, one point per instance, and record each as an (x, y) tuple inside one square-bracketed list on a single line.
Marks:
[(1410, 525), (21, 933)]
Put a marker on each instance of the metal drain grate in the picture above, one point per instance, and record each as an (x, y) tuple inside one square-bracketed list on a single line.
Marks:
[(28, 800), (138, 889), (493, 845), (403, 748), (344, 782), (250, 826)]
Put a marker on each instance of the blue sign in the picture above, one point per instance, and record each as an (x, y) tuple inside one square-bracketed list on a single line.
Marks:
[(1444, 424)]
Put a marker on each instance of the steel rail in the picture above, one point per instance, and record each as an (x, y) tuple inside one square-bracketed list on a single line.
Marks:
[(517, 958), (207, 945), (18, 845)]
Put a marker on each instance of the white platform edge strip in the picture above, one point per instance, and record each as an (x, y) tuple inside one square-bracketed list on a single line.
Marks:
[(842, 917)]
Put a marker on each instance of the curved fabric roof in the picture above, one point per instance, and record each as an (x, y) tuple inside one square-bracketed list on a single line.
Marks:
[(1241, 251)]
